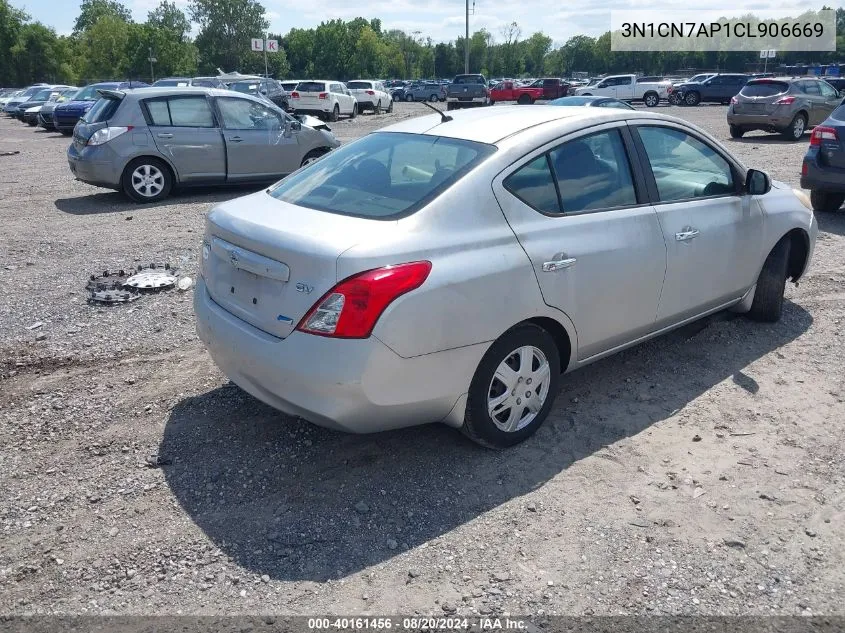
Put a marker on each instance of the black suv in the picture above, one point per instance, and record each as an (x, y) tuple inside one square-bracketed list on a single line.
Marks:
[(716, 89), (270, 88)]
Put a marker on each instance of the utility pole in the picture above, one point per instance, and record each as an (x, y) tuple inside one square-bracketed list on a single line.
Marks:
[(266, 73), (152, 61), (466, 44)]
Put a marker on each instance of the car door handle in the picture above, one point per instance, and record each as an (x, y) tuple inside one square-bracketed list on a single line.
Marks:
[(688, 233), (235, 139), (558, 264), (164, 135)]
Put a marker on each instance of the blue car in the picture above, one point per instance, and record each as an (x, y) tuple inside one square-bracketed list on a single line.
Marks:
[(66, 115)]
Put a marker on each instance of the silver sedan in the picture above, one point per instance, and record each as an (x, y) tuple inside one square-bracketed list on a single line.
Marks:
[(452, 269)]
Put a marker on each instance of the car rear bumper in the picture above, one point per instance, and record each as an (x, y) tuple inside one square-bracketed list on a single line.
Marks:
[(65, 123), (822, 178), (451, 99), (98, 166), (353, 385), (759, 121)]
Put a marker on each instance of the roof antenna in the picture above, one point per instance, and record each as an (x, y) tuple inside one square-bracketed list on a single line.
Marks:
[(444, 118)]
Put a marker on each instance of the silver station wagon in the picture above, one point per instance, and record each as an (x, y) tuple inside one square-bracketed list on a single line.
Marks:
[(452, 269), (149, 140)]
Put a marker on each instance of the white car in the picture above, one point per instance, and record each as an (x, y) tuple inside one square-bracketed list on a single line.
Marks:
[(323, 98), (628, 88), (371, 95)]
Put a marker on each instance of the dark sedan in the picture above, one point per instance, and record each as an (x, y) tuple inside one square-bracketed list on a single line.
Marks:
[(592, 101), (823, 169)]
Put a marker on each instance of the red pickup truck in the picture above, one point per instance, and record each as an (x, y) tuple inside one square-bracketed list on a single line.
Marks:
[(540, 89)]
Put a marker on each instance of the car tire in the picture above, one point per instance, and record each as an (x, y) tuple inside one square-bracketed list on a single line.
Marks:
[(692, 98), (354, 111), (539, 347), (492, 102), (377, 109), (450, 106), (335, 114), (826, 201), (409, 98), (158, 184), (390, 107), (651, 99), (66, 132), (523, 100), (736, 131), (768, 294), (796, 128), (311, 156), (674, 99), (433, 98)]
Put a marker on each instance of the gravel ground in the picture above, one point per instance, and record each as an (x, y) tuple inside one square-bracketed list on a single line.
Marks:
[(701, 473)]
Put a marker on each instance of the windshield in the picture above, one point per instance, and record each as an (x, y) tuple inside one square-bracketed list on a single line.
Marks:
[(468, 79), (699, 78), (31, 91), (571, 101), (359, 85), (42, 95), (172, 82), (89, 93), (382, 175), (247, 87), (205, 83), (764, 88)]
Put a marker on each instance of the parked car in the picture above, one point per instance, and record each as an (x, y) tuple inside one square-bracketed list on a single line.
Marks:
[(13, 103), (626, 88), (28, 110), (45, 114), (324, 99), (467, 90), (675, 96), (429, 91), (718, 88), (188, 136), (539, 89), (365, 256), (823, 168), (270, 88), (7, 95), (592, 101), (289, 85), (370, 95), (788, 105), (66, 115)]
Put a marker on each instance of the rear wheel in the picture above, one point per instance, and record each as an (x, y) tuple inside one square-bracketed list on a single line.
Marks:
[(768, 295), (66, 132), (377, 109), (523, 100), (354, 111), (692, 98), (390, 107), (796, 128), (513, 388), (736, 131), (335, 115), (826, 201), (147, 179), (651, 99)]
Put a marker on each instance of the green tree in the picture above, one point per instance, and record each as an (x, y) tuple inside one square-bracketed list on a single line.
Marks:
[(299, 46), (11, 23), (90, 11), (36, 54), (226, 27), (106, 43), (536, 48)]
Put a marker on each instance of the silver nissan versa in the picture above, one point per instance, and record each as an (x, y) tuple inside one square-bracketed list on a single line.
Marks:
[(150, 140), (451, 269)]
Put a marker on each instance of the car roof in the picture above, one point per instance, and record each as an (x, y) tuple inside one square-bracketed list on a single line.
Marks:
[(491, 125), (762, 80)]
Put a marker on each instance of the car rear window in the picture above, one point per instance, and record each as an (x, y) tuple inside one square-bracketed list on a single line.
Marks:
[(469, 79), (311, 86), (171, 82), (764, 88), (204, 83), (839, 113), (186, 111), (102, 111), (360, 85), (383, 175), (247, 87)]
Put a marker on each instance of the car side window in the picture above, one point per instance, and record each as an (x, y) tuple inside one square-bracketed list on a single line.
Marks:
[(245, 114), (593, 172), (683, 166), (180, 112), (812, 88), (826, 89), (534, 184)]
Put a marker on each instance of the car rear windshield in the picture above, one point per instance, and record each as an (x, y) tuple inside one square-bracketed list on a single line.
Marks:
[(247, 87), (360, 85), (383, 175), (205, 83), (102, 111), (765, 88), (89, 93), (469, 79), (311, 86), (171, 82)]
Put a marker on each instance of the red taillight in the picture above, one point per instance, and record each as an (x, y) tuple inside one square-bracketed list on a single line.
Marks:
[(294, 95), (352, 307), (324, 95), (785, 100), (822, 133), (805, 168), (370, 92), (733, 100)]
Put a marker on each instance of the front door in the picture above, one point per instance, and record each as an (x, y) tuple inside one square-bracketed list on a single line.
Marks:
[(256, 145), (595, 244), (185, 130), (624, 89), (713, 232), (831, 100)]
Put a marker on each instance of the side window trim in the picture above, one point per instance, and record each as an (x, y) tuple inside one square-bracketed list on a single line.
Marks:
[(651, 183)]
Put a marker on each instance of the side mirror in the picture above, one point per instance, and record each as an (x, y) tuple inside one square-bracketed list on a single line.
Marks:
[(757, 183), (295, 126)]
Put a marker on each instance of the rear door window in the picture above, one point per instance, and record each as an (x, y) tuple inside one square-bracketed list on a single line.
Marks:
[(811, 88), (534, 184), (187, 111), (383, 175)]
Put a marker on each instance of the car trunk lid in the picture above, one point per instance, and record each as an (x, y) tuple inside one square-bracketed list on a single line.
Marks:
[(268, 261), (310, 95)]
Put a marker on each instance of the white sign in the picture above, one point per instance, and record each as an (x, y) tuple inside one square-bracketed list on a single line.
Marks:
[(769, 54), (272, 46), (763, 54), (257, 44), (772, 54)]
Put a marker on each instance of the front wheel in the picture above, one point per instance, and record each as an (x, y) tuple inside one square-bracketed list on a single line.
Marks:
[(736, 131), (433, 98), (674, 99), (147, 179), (310, 157), (409, 98), (513, 388), (826, 201), (768, 295), (692, 98), (651, 99)]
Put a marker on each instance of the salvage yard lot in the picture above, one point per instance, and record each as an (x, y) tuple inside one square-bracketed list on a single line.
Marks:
[(699, 473)]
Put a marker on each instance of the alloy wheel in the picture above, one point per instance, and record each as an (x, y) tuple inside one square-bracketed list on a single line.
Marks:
[(519, 388), (147, 181)]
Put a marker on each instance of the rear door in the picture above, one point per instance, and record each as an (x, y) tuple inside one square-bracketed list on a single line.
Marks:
[(186, 131), (713, 232), (579, 210), (257, 147)]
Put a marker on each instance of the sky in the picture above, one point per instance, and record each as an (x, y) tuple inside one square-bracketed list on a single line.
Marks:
[(441, 20)]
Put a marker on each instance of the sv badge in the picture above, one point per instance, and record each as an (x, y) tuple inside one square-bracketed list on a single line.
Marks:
[(301, 287)]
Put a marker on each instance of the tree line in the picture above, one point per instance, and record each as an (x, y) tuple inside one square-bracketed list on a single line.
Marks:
[(106, 43)]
